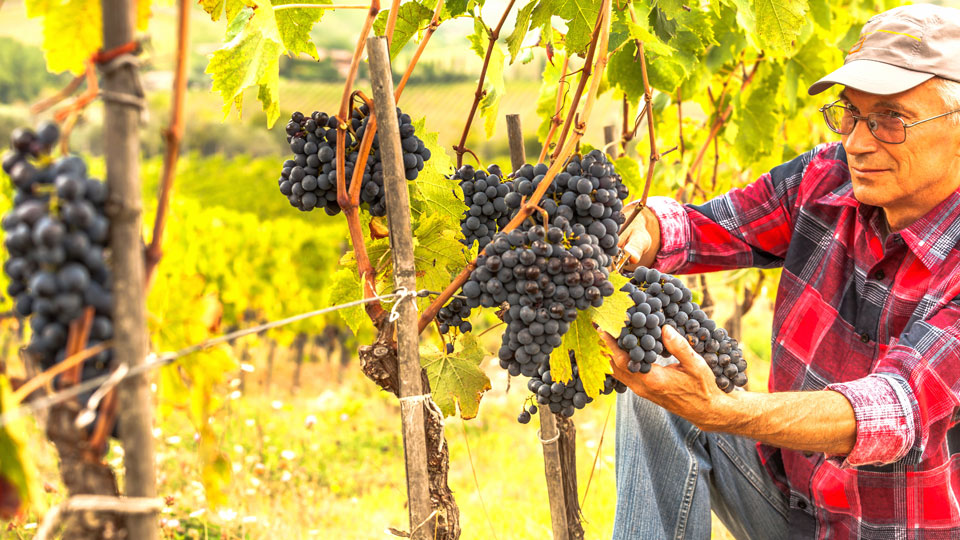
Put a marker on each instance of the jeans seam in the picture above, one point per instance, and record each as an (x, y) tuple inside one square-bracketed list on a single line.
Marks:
[(691, 486), (748, 474)]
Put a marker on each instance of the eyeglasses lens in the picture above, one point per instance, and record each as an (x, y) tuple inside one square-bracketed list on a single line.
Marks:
[(884, 127)]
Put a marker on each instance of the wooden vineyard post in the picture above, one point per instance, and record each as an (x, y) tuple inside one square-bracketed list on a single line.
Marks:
[(515, 135), (609, 136), (559, 472), (412, 398), (123, 100)]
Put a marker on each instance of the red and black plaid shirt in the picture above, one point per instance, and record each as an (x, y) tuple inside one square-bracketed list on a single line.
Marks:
[(876, 320)]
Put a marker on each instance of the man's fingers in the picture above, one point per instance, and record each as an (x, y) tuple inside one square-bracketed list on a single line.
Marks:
[(617, 353), (674, 342)]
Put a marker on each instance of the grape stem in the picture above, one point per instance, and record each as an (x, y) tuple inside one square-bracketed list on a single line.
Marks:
[(555, 121), (721, 120), (350, 209), (478, 95), (172, 136), (392, 21), (598, 45)]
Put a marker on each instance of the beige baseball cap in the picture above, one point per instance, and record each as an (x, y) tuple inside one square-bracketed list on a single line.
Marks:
[(899, 49)]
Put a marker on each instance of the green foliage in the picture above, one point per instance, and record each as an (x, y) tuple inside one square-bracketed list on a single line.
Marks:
[(22, 72), (17, 470), (411, 17), (456, 378), (493, 83)]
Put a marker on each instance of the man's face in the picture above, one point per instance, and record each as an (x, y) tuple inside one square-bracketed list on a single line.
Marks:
[(907, 180)]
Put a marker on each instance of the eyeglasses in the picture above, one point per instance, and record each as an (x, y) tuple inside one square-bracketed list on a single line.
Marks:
[(885, 127)]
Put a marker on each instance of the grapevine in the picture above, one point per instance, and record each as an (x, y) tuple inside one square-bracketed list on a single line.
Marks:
[(56, 238)]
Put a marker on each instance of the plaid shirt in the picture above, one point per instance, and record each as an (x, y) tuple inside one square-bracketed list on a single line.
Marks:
[(877, 321)]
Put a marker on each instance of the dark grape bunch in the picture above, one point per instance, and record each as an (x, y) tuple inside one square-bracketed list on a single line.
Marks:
[(563, 398), (588, 192), (56, 237), (661, 299), (309, 180), (484, 193)]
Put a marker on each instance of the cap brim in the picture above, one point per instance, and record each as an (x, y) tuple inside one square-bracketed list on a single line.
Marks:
[(872, 77)]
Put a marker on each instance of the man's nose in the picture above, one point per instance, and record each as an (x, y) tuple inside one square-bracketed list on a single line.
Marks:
[(860, 140)]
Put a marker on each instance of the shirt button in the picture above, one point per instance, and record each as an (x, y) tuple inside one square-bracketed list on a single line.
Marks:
[(802, 504), (879, 275), (807, 453), (865, 337)]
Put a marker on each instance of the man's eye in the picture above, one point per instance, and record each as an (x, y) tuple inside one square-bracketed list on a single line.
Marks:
[(894, 114)]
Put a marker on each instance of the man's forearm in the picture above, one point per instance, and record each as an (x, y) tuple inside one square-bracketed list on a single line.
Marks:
[(821, 421)]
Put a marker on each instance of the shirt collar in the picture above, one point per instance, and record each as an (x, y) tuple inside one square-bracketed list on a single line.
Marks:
[(930, 238)]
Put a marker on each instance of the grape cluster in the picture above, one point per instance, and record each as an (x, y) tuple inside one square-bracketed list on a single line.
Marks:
[(661, 299), (588, 192), (484, 193), (309, 180), (56, 236), (563, 398)]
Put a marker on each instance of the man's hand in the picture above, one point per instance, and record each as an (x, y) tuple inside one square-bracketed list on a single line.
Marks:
[(641, 240), (687, 389)]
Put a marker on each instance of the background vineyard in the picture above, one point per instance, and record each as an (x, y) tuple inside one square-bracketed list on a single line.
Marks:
[(305, 446)]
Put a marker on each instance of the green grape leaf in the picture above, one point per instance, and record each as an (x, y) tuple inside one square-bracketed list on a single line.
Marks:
[(547, 97), (580, 15), (820, 10), (651, 43), (345, 287), (249, 59), (671, 8), (432, 192), (411, 17), (456, 379), (612, 315), (779, 21), (806, 67), (629, 170), (295, 25), (664, 26), (541, 16), (223, 8), (664, 73), (18, 474), (515, 39), (493, 84), (456, 8), (757, 119)]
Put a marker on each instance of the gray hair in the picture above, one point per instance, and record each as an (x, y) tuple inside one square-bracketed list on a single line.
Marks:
[(950, 93)]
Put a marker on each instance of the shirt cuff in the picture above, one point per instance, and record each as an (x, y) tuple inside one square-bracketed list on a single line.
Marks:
[(885, 431), (674, 233)]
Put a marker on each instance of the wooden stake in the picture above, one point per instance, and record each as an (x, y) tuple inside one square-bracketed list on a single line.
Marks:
[(515, 135), (125, 208), (609, 136), (412, 400), (548, 423)]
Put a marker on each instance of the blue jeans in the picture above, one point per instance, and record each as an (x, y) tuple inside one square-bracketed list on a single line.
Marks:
[(670, 475)]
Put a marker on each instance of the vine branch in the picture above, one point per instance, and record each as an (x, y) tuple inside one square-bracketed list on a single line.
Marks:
[(350, 209), (722, 119), (431, 28), (555, 121), (598, 45), (172, 136), (478, 95)]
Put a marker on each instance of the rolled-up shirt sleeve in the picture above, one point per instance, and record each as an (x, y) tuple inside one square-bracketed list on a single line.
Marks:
[(911, 396)]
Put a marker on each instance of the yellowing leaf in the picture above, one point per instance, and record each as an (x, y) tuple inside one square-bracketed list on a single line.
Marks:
[(456, 379), (580, 15), (593, 365), (17, 470), (295, 25), (223, 8), (250, 58), (612, 315), (345, 287), (779, 21)]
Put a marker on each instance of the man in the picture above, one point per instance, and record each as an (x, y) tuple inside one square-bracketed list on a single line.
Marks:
[(865, 374)]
